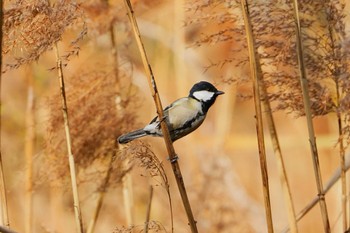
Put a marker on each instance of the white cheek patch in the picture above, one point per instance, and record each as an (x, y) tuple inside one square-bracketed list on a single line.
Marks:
[(203, 95)]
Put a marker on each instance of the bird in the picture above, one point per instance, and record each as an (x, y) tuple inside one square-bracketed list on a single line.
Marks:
[(183, 116)]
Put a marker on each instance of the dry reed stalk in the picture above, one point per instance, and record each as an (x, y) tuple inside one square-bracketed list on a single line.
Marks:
[(6, 230), (277, 149), (128, 199), (259, 121), (77, 211), (334, 178), (169, 145), (29, 150), (307, 107), (104, 186), (4, 207), (101, 195), (337, 69), (148, 213)]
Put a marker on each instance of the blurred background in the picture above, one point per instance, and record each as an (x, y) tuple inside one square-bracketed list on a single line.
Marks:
[(108, 94)]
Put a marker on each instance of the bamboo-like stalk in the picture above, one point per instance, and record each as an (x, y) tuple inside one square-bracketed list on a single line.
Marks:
[(306, 100), (29, 150), (259, 121), (280, 163), (4, 209), (331, 182), (336, 72), (277, 149), (77, 211), (169, 145), (148, 213)]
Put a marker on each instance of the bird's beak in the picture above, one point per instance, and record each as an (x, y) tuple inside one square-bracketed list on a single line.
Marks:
[(219, 93)]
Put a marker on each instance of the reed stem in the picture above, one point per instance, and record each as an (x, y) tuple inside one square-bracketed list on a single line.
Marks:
[(29, 150), (3, 196), (256, 75), (77, 211), (312, 138), (148, 213), (169, 145)]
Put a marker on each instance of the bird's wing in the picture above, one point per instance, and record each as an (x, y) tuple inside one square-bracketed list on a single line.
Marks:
[(182, 112), (183, 116)]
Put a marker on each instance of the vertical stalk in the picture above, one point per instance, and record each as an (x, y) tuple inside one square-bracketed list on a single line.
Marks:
[(128, 199), (336, 53), (29, 150), (169, 145), (259, 122), (77, 211), (4, 208), (312, 138), (148, 213), (101, 195)]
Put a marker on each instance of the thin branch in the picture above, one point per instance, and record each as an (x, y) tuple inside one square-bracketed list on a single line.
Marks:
[(169, 145), (256, 76), (306, 100), (4, 207), (77, 211)]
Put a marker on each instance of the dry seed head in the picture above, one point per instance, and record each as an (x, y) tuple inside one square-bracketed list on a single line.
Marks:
[(94, 122)]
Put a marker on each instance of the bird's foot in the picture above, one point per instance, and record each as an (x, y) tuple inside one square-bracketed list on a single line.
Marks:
[(174, 159)]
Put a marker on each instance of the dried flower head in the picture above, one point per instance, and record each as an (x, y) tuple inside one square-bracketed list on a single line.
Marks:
[(31, 27), (153, 226), (95, 122)]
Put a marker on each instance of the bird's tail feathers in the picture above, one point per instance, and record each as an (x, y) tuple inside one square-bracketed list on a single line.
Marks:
[(125, 138)]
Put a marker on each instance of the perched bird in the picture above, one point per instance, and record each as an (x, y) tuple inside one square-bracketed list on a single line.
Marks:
[(182, 116)]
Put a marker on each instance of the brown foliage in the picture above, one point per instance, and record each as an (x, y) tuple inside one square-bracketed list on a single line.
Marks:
[(95, 122)]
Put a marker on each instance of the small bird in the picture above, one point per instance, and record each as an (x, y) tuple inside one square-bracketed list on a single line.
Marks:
[(183, 116)]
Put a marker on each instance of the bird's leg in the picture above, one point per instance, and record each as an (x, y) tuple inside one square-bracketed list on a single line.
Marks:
[(173, 160)]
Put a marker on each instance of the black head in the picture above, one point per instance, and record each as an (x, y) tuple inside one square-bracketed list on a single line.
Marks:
[(206, 93)]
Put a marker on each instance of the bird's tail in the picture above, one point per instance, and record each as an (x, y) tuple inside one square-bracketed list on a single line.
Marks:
[(125, 138)]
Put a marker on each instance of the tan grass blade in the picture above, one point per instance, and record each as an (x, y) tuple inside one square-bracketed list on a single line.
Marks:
[(29, 150), (3, 197), (77, 210), (169, 145), (148, 213), (337, 71), (259, 121), (312, 138)]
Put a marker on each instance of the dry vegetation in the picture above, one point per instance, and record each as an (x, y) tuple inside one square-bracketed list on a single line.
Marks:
[(107, 94)]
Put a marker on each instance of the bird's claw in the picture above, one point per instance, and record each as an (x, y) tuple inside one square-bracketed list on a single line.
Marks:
[(174, 159)]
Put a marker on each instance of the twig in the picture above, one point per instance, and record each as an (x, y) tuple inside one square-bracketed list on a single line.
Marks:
[(77, 211), (259, 121), (148, 213), (312, 138), (4, 207), (169, 145)]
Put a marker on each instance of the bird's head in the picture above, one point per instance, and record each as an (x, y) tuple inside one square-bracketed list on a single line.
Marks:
[(205, 92)]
